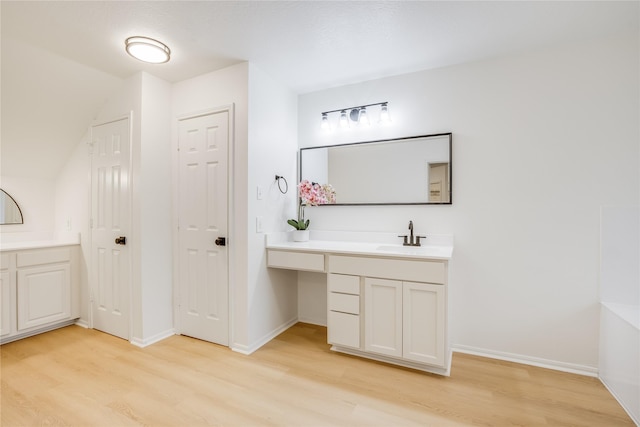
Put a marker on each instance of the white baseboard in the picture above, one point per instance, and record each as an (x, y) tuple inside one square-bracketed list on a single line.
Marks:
[(37, 331), (312, 321), (82, 323), (528, 360), (153, 339), (247, 350)]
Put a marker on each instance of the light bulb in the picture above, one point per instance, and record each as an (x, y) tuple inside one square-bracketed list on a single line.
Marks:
[(384, 114), (325, 122), (344, 120), (364, 119)]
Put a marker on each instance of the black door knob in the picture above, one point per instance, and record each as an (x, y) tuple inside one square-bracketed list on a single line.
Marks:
[(221, 241), (122, 240)]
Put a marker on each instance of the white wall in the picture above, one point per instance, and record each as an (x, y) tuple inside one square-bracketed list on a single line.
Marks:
[(224, 87), (149, 100), (540, 141), (272, 293), (264, 144), (153, 202), (36, 199), (72, 212)]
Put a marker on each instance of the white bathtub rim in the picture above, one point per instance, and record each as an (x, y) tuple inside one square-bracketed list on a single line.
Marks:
[(627, 312)]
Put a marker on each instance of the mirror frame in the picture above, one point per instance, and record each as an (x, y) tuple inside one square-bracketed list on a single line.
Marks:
[(449, 134), (17, 206)]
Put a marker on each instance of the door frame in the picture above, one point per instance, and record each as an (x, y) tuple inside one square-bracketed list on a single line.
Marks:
[(130, 241), (175, 214)]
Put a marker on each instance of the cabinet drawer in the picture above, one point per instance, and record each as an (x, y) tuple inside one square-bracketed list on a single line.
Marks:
[(295, 260), (344, 284), (343, 329), (344, 303), (386, 268), (47, 256)]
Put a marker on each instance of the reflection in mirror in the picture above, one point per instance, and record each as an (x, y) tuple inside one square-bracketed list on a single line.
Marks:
[(9, 210), (405, 171)]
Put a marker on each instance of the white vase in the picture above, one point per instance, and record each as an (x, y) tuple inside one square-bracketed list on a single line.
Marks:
[(300, 235)]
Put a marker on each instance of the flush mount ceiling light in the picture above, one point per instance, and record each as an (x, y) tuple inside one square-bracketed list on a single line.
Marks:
[(358, 114), (147, 50)]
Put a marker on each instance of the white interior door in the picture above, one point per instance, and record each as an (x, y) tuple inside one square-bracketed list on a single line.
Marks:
[(110, 222), (203, 144)]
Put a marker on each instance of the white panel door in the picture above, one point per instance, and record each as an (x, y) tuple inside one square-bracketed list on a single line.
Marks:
[(203, 144), (383, 316), (111, 220), (423, 321)]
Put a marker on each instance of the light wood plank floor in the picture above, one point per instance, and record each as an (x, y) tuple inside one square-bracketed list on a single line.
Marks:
[(74, 376)]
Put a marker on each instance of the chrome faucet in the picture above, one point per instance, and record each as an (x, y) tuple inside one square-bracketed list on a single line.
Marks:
[(411, 230), (410, 241)]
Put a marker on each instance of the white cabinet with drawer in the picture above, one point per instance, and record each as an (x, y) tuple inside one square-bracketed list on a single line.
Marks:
[(343, 304), (384, 302), (40, 290), (403, 317)]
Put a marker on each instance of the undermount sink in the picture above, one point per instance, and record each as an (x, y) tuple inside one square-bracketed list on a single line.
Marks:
[(407, 249)]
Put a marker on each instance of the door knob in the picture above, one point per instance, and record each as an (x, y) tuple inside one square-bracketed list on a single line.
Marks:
[(221, 241), (122, 240)]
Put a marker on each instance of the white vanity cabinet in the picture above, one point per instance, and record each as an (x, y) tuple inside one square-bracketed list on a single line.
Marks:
[(404, 311), (384, 302), (40, 290)]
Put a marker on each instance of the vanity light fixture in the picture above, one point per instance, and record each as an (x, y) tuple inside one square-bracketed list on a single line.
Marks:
[(147, 49), (357, 114)]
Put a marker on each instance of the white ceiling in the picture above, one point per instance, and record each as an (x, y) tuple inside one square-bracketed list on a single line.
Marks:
[(61, 59)]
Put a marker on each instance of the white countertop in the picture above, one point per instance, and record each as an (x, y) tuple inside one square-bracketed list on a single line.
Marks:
[(439, 247), (19, 241)]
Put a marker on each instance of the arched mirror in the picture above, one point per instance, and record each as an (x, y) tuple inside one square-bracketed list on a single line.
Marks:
[(10, 212)]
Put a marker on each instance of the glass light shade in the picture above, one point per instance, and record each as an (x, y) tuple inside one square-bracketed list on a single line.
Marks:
[(384, 114), (364, 119), (147, 50), (344, 120), (324, 125)]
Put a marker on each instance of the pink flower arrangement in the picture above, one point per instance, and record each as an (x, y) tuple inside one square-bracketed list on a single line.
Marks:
[(314, 194), (311, 194)]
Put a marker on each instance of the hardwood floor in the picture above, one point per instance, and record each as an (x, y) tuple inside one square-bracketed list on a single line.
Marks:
[(74, 376)]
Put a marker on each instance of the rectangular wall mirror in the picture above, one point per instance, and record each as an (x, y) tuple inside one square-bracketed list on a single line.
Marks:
[(404, 171)]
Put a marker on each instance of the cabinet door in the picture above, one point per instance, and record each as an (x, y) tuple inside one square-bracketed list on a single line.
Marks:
[(5, 303), (424, 323), (383, 316), (44, 295)]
